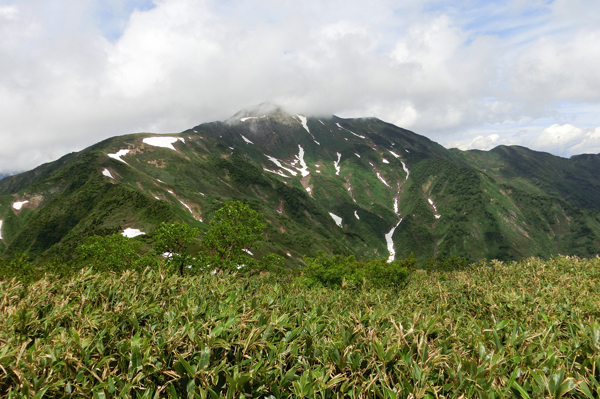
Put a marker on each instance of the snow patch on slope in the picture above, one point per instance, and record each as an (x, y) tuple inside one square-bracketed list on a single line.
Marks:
[(246, 140), (382, 179), (385, 161), (164, 142), (303, 121), (337, 164), (130, 233), (390, 243), (406, 170), (19, 204), (437, 216), (356, 215), (1, 221), (303, 169), (118, 155), (357, 154), (278, 163), (357, 135), (106, 173), (277, 172), (189, 209), (336, 219), (253, 117), (394, 154), (396, 205)]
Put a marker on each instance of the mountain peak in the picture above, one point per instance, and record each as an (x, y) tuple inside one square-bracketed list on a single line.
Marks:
[(262, 110)]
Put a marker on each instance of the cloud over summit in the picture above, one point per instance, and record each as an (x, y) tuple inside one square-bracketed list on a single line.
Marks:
[(73, 73)]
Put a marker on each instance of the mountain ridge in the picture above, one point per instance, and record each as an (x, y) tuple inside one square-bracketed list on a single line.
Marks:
[(323, 183)]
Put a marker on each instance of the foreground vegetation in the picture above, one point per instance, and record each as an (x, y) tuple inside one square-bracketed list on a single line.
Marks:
[(494, 330)]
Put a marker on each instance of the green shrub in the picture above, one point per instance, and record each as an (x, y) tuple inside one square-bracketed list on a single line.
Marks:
[(380, 273), (332, 271), (347, 271), (113, 253)]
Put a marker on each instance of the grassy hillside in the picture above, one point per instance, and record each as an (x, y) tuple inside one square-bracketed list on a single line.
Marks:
[(323, 184), (518, 330)]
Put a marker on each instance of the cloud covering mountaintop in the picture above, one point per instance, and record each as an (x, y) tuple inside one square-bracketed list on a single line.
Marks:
[(467, 74)]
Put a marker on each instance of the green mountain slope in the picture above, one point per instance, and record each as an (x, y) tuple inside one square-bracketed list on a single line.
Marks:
[(323, 183)]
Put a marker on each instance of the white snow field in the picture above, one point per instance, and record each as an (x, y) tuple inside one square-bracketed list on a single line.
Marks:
[(247, 251), (305, 126), (385, 161), (337, 164), (394, 154), (1, 221), (130, 233), (390, 243), (396, 205), (303, 169), (278, 172), (118, 155), (356, 214), (435, 212), (19, 204), (357, 154), (106, 173), (276, 162), (406, 170), (336, 219), (246, 140), (165, 142)]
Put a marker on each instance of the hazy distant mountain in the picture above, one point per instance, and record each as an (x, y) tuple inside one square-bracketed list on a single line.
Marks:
[(350, 186)]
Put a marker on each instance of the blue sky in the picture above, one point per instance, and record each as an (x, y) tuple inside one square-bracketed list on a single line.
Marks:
[(467, 74), (112, 16)]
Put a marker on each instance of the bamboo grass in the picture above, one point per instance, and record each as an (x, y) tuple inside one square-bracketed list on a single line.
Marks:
[(527, 329)]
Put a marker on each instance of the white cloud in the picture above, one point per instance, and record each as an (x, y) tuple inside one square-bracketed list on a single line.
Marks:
[(568, 140), (451, 71), (563, 140)]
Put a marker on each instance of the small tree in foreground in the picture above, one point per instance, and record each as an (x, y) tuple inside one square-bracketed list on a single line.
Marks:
[(173, 241), (236, 228)]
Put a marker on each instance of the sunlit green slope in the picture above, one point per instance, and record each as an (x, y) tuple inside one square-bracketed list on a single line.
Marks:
[(323, 183)]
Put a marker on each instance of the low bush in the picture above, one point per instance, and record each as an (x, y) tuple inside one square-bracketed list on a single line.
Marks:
[(337, 270), (517, 330)]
